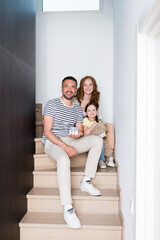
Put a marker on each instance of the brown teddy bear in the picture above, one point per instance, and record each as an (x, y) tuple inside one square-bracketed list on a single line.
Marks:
[(100, 129)]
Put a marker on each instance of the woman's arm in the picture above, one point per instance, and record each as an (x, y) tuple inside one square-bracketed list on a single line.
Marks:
[(100, 112)]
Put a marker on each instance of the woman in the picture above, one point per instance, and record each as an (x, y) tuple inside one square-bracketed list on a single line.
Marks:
[(86, 93)]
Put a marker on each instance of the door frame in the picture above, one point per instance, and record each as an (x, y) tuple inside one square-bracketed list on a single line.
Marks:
[(148, 29)]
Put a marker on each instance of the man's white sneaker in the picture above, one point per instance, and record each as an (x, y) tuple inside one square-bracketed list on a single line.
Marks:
[(87, 186), (110, 162), (71, 219)]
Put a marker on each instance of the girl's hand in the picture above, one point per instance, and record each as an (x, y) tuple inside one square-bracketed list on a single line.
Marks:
[(87, 131), (93, 125)]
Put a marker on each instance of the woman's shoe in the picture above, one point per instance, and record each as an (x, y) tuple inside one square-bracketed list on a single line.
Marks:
[(110, 162)]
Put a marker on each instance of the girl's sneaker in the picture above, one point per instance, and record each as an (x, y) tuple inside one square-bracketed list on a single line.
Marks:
[(102, 164), (110, 162)]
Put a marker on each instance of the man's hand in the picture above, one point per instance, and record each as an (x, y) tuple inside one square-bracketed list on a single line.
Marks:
[(80, 134), (71, 151)]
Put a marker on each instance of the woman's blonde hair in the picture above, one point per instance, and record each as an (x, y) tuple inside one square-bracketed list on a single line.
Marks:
[(95, 94)]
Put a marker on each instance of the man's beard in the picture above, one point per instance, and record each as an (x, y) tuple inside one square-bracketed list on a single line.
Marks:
[(68, 98)]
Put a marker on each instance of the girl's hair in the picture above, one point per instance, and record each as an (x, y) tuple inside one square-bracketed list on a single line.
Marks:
[(96, 106), (95, 94)]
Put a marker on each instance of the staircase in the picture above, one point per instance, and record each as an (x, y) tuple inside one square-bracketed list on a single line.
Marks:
[(100, 216)]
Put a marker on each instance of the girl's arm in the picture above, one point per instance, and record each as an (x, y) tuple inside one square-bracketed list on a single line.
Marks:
[(88, 130)]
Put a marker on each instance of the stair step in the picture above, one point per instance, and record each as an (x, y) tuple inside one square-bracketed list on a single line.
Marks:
[(47, 226), (43, 161), (48, 200), (100, 215), (39, 148), (105, 178)]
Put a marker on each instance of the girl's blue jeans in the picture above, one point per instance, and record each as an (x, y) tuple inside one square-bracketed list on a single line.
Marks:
[(102, 154)]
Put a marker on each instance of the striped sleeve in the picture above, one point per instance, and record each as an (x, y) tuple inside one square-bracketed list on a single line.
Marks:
[(49, 109)]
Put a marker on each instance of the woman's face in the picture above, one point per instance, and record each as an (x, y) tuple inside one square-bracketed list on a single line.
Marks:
[(88, 86), (91, 111)]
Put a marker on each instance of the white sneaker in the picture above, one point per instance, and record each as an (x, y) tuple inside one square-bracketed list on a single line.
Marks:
[(71, 219), (102, 164), (102, 135), (87, 186), (110, 162)]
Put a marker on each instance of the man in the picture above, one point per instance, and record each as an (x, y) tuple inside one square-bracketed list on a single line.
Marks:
[(59, 115)]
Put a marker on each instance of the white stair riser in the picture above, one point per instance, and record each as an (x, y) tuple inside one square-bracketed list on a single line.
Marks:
[(82, 206), (68, 234), (39, 148), (47, 180)]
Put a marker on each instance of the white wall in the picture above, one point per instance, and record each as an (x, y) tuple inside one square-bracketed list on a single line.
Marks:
[(157, 148), (76, 44), (126, 16)]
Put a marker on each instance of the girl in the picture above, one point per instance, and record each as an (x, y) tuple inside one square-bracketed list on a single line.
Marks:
[(89, 122)]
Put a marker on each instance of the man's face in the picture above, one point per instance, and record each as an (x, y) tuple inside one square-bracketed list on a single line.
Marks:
[(69, 89)]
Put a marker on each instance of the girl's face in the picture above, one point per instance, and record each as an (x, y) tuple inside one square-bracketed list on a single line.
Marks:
[(88, 86), (91, 111)]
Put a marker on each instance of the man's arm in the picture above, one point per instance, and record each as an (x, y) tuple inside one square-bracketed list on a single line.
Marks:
[(48, 123)]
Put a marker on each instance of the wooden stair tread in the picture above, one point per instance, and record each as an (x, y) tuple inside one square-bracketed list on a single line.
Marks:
[(78, 171), (41, 155), (88, 221), (53, 193), (38, 139)]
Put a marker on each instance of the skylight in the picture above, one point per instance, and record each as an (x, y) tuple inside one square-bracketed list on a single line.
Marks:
[(71, 5)]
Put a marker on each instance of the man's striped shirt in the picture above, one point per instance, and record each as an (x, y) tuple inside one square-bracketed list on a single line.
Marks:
[(64, 117)]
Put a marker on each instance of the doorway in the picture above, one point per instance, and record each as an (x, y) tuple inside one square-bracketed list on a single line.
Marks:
[(148, 130)]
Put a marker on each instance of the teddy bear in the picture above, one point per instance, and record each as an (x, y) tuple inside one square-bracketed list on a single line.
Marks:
[(100, 129)]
